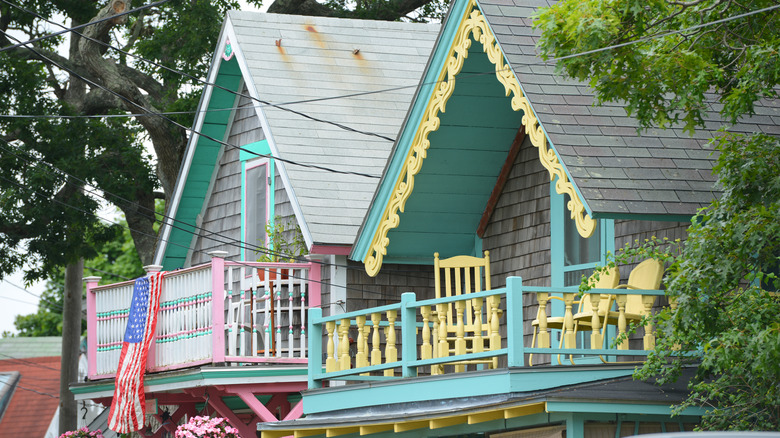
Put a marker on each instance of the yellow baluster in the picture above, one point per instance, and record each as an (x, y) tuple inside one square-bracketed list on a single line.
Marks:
[(479, 344), (361, 358), (649, 338), (376, 353), (595, 321), (460, 333), (495, 336), (569, 340), (344, 362), (444, 346), (330, 362), (391, 352), (621, 302), (543, 339), (426, 351)]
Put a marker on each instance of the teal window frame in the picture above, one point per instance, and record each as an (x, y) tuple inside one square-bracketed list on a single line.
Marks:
[(249, 159), (605, 232)]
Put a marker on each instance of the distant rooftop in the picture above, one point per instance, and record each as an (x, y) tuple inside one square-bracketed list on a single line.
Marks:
[(25, 347)]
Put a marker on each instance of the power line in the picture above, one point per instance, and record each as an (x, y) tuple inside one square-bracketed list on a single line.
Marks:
[(179, 125), (661, 35), (245, 264), (179, 72), (81, 26), (230, 241)]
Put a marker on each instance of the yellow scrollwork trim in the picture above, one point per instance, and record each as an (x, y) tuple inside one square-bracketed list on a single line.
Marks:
[(473, 27)]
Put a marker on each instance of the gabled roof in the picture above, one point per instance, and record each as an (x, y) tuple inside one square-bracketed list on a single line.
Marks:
[(618, 171), (319, 58), (35, 395), (332, 73), (595, 154)]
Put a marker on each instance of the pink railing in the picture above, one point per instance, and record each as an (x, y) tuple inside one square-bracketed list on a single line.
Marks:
[(235, 312)]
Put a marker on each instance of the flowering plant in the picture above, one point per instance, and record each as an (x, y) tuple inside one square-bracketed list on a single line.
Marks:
[(206, 427), (84, 432)]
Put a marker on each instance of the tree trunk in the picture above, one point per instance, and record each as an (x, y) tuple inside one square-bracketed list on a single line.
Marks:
[(71, 339)]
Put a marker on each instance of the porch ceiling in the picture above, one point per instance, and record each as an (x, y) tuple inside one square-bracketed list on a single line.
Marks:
[(462, 165)]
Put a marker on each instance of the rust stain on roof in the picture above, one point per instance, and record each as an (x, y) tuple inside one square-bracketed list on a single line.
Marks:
[(316, 35)]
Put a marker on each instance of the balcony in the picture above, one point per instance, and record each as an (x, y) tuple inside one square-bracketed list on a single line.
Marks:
[(217, 313), (386, 348)]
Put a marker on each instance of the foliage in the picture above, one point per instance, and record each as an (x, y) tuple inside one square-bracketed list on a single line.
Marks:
[(84, 432), (667, 76), (285, 242), (206, 427), (668, 64), (117, 260), (724, 281)]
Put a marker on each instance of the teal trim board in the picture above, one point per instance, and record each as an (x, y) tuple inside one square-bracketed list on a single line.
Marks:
[(401, 149), (453, 386), (203, 164)]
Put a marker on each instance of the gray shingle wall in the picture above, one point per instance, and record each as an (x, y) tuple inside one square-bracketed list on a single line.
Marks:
[(222, 214), (386, 288), (223, 211), (518, 234), (616, 169)]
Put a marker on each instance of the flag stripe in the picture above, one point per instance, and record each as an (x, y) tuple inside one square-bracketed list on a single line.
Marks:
[(127, 407)]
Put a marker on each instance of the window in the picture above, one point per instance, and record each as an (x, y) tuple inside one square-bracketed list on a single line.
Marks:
[(256, 207), (573, 255)]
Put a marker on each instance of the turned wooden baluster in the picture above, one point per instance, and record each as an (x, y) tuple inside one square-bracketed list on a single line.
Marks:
[(621, 302), (426, 351), (330, 362), (391, 352), (361, 358), (460, 334), (444, 346), (569, 340), (479, 344), (543, 339), (376, 353), (649, 338), (344, 362), (495, 336), (595, 321)]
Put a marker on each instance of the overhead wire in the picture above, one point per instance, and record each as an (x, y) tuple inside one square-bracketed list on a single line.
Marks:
[(179, 125), (81, 26), (172, 222), (240, 263), (187, 75)]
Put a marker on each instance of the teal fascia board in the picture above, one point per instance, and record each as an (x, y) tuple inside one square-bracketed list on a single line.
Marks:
[(204, 157), (620, 408), (428, 388), (409, 130)]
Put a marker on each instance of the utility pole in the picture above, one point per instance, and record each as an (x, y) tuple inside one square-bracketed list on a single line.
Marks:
[(71, 338)]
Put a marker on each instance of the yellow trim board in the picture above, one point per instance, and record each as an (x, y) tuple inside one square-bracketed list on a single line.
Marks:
[(472, 27)]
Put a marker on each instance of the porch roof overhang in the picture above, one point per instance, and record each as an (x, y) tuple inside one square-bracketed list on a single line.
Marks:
[(621, 395), (272, 376)]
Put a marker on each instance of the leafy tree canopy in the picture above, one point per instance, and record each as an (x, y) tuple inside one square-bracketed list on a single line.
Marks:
[(669, 66)]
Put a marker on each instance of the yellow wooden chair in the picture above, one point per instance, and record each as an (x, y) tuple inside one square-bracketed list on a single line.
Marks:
[(630, 308), (465, 326), (604, 280)]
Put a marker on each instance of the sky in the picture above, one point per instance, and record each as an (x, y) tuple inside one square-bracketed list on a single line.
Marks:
[(14, 301)]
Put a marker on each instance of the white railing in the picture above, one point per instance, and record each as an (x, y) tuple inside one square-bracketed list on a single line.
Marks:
[(255, 313)]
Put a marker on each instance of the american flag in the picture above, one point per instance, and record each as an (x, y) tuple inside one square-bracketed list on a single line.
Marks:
[(127, 406)]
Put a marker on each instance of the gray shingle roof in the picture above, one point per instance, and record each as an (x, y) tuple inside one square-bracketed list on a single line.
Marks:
[(317, 58), (617, 170)]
